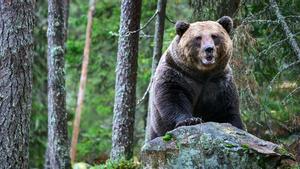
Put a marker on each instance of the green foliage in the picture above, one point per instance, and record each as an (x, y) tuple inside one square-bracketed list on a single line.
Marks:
[(93, 141), (245, 148), (95, 132), (38, 123), (296, 166), (118, 164), (229, 145), (167, 137), (282, 150), (266, 92)]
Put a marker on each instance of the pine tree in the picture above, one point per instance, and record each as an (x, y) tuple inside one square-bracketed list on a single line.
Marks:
[(16, 44), (57, 155), (126, 74)]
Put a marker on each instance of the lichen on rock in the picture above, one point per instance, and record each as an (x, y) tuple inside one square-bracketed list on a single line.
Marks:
[(212, 146)]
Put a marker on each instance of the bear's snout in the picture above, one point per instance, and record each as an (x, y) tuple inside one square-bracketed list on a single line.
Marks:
[(208, 57), (209, 49)]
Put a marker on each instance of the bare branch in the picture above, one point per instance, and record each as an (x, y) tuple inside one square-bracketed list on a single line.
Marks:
[(143, 27), (275, 44), (261, 21), (292, 16), (289, 95), (286, 28), (145, 94), (283, 69), (170, 20), (250, 17), (144, 35)]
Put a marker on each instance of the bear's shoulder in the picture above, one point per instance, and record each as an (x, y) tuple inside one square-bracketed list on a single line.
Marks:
[(168, 74)]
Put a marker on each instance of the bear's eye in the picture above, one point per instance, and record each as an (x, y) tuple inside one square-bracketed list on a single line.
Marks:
[(216, 39), (214, 36), (198, 38)]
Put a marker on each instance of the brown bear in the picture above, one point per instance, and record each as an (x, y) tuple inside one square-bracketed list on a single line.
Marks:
[(193, 82)]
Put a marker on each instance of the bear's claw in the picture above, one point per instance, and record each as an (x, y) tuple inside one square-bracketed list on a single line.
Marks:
[(189, 122)]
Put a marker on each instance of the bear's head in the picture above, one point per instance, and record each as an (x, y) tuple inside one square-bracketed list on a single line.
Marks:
[(203, 46)]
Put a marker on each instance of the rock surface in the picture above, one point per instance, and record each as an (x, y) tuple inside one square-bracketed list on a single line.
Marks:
[(211, 146)]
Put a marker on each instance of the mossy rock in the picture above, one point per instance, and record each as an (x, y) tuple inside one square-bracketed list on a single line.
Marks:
[(211, 146)]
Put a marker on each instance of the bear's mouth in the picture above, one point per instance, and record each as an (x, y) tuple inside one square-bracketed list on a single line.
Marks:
[(208, 60)]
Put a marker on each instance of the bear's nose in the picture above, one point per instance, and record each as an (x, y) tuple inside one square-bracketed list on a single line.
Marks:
[(209, 49)]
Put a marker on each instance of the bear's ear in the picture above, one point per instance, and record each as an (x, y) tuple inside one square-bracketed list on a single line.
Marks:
[(181, 27), (226, 22)]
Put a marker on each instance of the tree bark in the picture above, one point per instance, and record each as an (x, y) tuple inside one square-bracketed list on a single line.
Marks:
[(83, 78), (286, 29), (16, 44), (58, 144), (159, 33), (125, 87), (157, 50), (66, 17)]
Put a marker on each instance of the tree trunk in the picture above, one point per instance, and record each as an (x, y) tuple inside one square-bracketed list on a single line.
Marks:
[(66, 17), (159, 33), (126, 73), (157, 50), (16, 43), (58, 144), (83, 78)]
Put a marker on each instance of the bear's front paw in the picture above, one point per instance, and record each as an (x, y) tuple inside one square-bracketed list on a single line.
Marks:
[(189, 122)]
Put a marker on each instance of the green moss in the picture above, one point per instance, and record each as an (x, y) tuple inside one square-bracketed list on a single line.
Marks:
[(57, 50), (281, 150), (229, 145), (167, 137), (177, 145), (118, 164), (245, 146), (81, 165), (206, 142), (297, 166)]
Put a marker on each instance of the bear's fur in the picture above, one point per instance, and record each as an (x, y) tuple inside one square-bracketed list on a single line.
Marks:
[(193, 82)]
